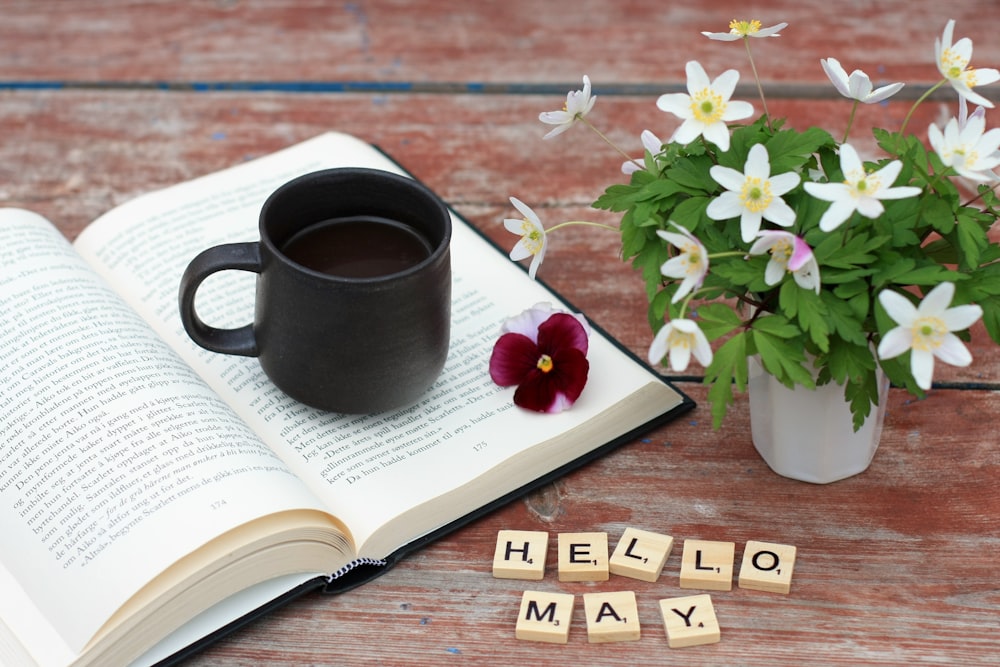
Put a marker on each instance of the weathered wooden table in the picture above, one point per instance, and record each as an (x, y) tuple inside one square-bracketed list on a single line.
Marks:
[(101, 101)]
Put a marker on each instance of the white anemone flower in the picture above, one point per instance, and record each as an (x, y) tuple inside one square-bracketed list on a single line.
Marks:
[(789, 254), (691, 264), (705, 108), (953, 63), (578, 104), (533, 240), (739, 29), (926, 330), (967, 149), (857, 86), (860, 191), (753, 195), (651, 143), (680, 339)]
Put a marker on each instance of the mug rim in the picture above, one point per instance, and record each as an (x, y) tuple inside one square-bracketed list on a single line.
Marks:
[(440, 249)]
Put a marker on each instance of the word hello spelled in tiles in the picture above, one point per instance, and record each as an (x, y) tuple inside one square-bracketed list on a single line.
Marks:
[(640, 554)]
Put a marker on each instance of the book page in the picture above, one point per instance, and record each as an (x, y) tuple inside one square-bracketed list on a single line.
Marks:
[(112, 444), (371, 468)]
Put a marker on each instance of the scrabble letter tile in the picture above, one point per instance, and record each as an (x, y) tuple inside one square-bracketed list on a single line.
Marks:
[(544, 617), (641, 554), (690, 621), (520, 554), (583, 557), (611, 617), (767, 567), (707, 565)]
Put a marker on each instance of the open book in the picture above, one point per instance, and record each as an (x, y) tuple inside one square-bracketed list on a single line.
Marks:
[(149, 487)]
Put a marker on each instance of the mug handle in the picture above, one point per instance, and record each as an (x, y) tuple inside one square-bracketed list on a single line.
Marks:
[(237, 256)]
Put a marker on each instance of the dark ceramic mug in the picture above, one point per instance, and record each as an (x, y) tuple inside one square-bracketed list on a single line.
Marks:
[(353, 301)]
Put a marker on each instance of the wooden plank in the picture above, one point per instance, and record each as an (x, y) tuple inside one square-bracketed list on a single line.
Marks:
[(513, 42), (81, 152)]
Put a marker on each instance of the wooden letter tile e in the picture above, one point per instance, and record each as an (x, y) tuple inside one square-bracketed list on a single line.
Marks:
[(520, 554), (611, 617), (545, 617), (583, 557), (707, 565), (690, 621)]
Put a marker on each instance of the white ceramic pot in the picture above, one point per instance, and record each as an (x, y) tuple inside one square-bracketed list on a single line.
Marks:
[(808, 434)]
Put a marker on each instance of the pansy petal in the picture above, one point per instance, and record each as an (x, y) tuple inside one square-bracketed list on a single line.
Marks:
[(513, 358), (562, 331)]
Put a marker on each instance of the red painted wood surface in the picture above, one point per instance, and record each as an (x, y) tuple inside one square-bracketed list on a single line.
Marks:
[(895, 566)]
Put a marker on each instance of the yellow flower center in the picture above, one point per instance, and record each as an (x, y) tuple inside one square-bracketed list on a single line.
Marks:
[(680, 339), (928, 333), (954, 66), (545, 363), (691, 258), (707, 106), (756, 194), (738, 27), (531, 236), (862, 184), (781, 252)]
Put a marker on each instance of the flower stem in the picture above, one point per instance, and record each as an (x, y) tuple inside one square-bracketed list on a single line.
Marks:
[(850, 120), (760, 88), (611, 143), (585, 223), (902, 128)]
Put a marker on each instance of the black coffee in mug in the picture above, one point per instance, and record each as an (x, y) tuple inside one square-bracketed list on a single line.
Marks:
[(359, 246)]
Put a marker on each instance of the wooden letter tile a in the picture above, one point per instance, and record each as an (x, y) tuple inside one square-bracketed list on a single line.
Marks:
[(641, 554), (545, 617), (583, 557), (707, 565), (767, 567), (612, 617), (520, 554)]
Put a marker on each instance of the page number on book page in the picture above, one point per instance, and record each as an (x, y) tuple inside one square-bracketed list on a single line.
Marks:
[(480, 446), (218, 504)]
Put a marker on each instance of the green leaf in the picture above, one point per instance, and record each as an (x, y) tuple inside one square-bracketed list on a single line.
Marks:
[(783, 360), (717, 320), (728, 369), (693, 173), (808, 310)]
